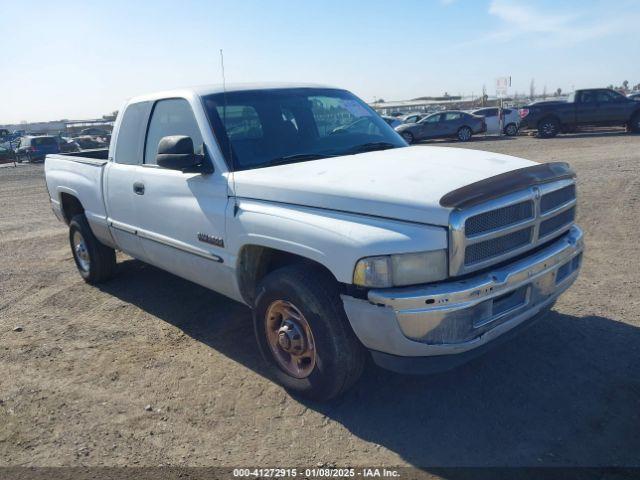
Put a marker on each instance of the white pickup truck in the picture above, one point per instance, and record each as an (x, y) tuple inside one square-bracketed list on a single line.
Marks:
[(301, 202)]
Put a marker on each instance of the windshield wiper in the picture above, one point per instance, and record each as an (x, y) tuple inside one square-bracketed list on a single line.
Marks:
[(298, 157), (373, 146)]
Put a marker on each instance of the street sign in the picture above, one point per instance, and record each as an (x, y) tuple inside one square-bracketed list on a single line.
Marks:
[(502, 85)]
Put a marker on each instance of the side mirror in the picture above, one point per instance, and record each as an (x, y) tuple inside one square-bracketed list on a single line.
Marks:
[(175, 152)]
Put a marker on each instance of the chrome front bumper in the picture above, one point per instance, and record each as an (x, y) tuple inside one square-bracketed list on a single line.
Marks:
[(458, 316)]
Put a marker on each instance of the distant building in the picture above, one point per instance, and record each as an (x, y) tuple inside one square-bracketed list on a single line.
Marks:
[(62, 127)]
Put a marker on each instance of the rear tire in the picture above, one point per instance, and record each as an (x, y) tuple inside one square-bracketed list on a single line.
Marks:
[(408, 137), (464, 134), (95, 261), (634, 123), (329, 359), (511, 130), (548, 127)]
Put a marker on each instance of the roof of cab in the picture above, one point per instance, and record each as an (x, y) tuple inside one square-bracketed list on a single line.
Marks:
[(218, 88)]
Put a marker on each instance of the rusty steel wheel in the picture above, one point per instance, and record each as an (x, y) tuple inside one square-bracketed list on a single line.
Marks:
[(303, 333), (290, 339)]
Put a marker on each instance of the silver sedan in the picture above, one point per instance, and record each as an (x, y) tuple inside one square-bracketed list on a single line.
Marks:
[(449, 124)]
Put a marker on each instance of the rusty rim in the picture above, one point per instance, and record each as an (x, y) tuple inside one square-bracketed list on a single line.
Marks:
[(290, 339)]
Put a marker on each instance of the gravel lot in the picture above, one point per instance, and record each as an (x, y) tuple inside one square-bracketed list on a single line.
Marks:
[(77, 379)]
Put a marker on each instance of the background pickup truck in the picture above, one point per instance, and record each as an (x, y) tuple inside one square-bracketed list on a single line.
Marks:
[(346, 243), (593, 107)]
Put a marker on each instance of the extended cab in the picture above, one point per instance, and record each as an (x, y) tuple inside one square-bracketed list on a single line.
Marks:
[(592, 107), (344, 242)]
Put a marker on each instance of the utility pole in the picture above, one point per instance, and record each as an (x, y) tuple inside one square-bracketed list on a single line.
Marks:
[(532, 89)]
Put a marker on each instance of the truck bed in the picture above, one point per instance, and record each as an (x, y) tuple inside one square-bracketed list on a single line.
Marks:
[(79, 174), (95, 154)]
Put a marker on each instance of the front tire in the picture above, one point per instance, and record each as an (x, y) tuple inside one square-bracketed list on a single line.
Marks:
[(408, 137), (634, 123), (304, 335), (511, 130), (464, 134), (95, 261), (548, 127)]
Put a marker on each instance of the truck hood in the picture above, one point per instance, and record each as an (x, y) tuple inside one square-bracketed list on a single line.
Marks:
[(404, 183)]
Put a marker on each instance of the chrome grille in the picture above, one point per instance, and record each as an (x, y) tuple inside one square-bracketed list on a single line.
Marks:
[(497, 246), (499, 218), (554, 223), (502, 228), (553, 199)]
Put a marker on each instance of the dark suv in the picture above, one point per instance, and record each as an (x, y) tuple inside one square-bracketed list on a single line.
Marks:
[(34, 149)]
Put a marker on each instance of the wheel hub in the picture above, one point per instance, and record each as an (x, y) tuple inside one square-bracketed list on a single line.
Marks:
[(81, 252), (290, 339)]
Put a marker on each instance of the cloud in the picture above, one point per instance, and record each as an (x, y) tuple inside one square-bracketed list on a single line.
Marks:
[(553, 27)]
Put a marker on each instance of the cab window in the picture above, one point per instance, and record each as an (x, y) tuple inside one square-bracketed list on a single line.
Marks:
[(449, 116), (171, 117), (606, 96), (431, 119)]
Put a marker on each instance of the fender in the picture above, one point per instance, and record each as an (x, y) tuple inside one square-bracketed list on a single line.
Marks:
[(336, 240)]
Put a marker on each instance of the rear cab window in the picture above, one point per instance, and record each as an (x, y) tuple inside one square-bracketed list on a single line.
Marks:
[(130, 142)]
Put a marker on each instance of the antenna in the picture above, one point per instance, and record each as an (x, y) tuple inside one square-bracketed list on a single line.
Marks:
[(224, 125)]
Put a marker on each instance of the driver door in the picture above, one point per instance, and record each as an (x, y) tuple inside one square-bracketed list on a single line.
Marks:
[(181, 216), (431, 126)]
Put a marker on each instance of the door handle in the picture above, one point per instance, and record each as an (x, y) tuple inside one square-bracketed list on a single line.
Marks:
[(138, 188)]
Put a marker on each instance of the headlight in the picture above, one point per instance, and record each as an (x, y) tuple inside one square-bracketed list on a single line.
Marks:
[(400, 270)]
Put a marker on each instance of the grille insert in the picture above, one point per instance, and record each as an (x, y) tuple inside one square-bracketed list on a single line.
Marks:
[(503, 227), (558, 197), (555, 223), (481, 251), (499, 218)]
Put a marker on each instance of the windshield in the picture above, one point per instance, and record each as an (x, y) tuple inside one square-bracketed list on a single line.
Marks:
[(44, 141), (260, 128)]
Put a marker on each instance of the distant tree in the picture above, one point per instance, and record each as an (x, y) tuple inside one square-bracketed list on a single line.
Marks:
[(558, 92), (484, 95), (611, 87), (110, 116), (544, 92), (380, 100), (625, 85)]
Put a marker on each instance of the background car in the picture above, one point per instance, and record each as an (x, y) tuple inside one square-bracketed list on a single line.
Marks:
[(6, 155), (414, 117), (492, 119), (95, 132), (393, 121), (67, 145), (634, 95), (35, 148), (88, 143), (448, 124)]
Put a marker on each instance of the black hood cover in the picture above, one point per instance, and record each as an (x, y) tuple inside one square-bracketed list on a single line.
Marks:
[(505, 183)]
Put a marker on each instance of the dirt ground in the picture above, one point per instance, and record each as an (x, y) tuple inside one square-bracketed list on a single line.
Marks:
[(76, 381)]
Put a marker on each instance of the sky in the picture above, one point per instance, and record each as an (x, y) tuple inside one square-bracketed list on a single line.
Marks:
[(82, 59)]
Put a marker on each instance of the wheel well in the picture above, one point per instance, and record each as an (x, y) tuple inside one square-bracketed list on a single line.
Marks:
[(549, 117), (255, 262), (71, 206)]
